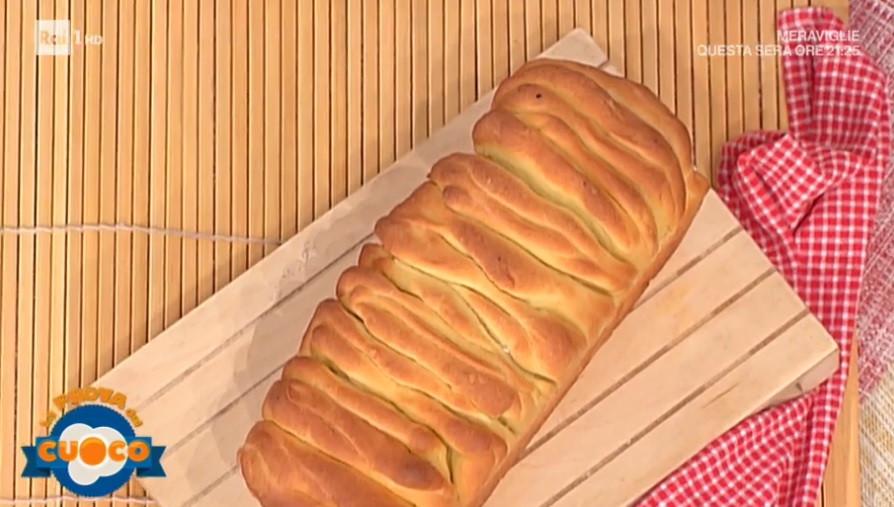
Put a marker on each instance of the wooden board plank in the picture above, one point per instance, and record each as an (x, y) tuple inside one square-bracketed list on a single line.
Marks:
[(231, 348), (841, 484), (610, 484)]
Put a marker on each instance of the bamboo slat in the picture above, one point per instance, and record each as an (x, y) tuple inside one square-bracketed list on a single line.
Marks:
[(251, 119)]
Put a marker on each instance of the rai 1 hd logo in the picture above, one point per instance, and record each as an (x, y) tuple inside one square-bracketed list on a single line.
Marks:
[(93, 449)]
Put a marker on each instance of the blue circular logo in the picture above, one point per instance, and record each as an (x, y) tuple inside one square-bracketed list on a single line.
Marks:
[(92, 451)]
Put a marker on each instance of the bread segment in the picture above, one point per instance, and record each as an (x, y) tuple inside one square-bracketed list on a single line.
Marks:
[(637, 99), (488, 261), (283, 471), (590, 165), (315, 419), (444, 350), (407, 325), (624, 128), (554, 341), (512, 393), (539, 351), (377, 412), (475, 187), (534, 102), (505, 139)]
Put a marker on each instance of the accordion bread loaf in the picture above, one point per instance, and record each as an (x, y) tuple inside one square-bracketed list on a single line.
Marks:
[(446, 347)]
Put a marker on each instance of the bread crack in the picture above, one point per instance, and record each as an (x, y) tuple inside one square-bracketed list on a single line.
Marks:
[(483, 373), (443, 299), (639, 101), (319, 421), (503, 138), (432, 385), (475, 445), (374, 408), (481, 189), (475, 386), (490, 263), (617, 189), (554, 342)]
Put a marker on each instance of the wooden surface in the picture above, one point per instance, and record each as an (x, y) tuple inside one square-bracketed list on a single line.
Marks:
[(743, 337), (176, 123), (842, 480)]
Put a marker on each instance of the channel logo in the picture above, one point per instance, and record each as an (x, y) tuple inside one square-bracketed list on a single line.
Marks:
[(93, 450), (52, 37)]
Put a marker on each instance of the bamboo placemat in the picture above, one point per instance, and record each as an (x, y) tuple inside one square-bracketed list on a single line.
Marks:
[(218, 130)]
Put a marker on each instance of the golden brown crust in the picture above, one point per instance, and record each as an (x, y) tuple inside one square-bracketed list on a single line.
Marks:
[(468, 378), (620, 190), (321, 422), (448, 345), (639, 100), (281, 470), (346, 340), (651, 181), (483, 191), (621, 125), (374, 410), (335, 339), (536, 350), (552, 341), (409, 326), (492, 257), (503, 138)]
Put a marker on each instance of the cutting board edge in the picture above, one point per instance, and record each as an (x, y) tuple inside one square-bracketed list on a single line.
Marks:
[(824, 369)]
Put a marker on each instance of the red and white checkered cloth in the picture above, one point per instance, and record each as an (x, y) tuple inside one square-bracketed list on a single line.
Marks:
[(875, 322), (809, 198)]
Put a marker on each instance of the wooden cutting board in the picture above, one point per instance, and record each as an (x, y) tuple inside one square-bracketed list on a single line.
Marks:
[(718, 336)]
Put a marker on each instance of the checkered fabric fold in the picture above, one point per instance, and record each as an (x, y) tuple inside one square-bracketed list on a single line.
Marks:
[(808, 197)]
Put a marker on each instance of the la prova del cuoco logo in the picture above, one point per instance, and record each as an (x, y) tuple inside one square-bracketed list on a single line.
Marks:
[(92, 449)]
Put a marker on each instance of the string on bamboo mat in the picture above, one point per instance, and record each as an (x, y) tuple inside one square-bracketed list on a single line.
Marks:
[(31, 231), (56, 500)]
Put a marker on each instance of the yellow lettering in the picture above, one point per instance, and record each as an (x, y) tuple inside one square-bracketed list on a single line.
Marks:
[(118, 400), (45, 37), (76, 397), (134, 420), (51, 418), (91, 394), (105, 394)]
